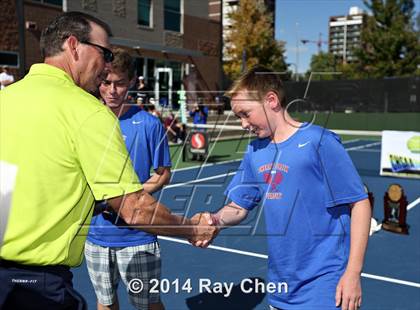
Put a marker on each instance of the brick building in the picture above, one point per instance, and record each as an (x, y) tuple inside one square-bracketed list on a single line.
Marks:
[(19, 56), (170, 39)]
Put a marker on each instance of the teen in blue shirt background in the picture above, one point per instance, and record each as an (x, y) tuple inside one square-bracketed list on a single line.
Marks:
[(113, 250)]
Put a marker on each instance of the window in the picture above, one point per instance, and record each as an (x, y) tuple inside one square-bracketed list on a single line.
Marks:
[(56, 2), (150, 68), (53, 2), (144, 9), (10, 59), (139, 63), (172, 15)]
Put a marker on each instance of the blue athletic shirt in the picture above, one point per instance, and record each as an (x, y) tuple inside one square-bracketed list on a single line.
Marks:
[(200, 117), (305, 185), (147, 145)]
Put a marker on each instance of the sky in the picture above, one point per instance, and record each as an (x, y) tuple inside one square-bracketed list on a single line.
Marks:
[(305, 19)]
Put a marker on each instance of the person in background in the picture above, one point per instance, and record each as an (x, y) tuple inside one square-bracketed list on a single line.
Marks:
[(152, 110), (199, 114), (174, 129), (143, 92), (6, 78), (114, 251)]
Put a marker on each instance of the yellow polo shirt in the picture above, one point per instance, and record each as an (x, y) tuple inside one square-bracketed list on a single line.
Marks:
[(61, 149)]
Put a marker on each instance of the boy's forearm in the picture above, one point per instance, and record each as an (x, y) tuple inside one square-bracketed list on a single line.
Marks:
[(359, 234), (229, 215)]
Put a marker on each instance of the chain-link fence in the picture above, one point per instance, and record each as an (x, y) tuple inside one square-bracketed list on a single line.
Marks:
[(384, 95)]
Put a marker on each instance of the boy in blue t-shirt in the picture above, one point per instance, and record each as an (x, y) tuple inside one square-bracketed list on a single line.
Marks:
[(113, 250), (199, 114), (316, 209)]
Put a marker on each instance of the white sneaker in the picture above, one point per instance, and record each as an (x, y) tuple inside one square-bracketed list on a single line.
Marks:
[(374, 226)]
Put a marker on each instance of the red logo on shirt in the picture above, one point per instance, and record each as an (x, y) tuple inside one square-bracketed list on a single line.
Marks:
[(273, 174), (273, 179)]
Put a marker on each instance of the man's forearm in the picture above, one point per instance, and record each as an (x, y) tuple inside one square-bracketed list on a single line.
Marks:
[(359, 234), (142, 211)]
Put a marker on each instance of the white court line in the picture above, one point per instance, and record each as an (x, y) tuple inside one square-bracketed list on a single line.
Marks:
[(368, 151), (220, 248), (392, 280), (363, 146), (413, 204), (200, 180), (207, 165), (358, 132), (351, 141), (263, 256)]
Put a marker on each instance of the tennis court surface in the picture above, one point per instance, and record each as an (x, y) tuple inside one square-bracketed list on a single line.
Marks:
[(391, 276)]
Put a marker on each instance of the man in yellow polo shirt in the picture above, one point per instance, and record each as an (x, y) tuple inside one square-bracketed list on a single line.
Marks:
[(61, 149)]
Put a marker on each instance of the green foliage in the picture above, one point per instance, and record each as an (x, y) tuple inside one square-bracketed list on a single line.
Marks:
[(390, 45), (253, 33), (323, 62)]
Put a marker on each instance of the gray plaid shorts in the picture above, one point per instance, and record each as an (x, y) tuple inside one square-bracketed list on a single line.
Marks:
[(107, 265)]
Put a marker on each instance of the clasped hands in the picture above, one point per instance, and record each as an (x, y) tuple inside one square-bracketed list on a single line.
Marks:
[(205, 230)]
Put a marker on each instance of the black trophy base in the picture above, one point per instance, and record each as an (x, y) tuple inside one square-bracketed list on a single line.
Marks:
[(395, 227)]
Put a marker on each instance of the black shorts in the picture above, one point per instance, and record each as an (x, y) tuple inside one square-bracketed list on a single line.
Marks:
[(37, 287)]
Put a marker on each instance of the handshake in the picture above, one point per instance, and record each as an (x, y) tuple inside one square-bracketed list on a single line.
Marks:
[(205, 229)]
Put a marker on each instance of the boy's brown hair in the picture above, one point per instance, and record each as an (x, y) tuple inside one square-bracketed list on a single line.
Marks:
[(123, 62), (258, 81)]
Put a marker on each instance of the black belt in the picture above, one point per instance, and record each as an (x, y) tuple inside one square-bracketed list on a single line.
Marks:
[(57, 269)]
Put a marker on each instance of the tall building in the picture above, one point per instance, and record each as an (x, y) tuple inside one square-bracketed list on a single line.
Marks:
[(345, 34), (229, 6)]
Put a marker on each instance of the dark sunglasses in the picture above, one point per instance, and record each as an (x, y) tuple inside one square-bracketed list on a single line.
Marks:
[(108, 55)]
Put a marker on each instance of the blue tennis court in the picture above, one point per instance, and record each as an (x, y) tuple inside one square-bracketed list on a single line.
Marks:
[(391, 278)]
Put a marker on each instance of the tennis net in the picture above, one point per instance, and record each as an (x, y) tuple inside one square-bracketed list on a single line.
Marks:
[(221, 132)]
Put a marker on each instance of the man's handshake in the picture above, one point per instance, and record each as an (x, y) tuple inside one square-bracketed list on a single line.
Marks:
[(205, 229)]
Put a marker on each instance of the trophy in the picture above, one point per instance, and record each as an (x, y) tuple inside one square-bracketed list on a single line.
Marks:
[(395, 210)]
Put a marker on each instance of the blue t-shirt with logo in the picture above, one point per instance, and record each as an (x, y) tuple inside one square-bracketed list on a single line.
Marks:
[(147, 145), (305, 185)]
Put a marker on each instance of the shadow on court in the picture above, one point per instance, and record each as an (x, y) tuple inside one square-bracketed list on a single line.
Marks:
[(217, 158), (238, 299)]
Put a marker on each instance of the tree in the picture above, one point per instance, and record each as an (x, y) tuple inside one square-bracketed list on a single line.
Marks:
[(252, 39), (390, 45), (323, 62), (418, 36)]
